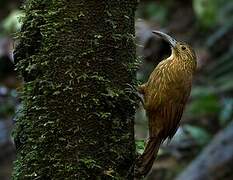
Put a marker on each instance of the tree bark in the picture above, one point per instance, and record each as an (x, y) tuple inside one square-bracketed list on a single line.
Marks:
[(215, 161), (77, 121)]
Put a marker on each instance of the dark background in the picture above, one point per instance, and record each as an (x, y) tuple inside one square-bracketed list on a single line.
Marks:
[(203, 147)]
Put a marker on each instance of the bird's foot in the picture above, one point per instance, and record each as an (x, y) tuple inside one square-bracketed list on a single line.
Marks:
[(132, 89)]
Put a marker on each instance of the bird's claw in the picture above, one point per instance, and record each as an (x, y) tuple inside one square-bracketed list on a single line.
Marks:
[(132, 89), (137, 66)]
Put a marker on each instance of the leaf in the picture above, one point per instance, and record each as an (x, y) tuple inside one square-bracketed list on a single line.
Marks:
[(140, 146)]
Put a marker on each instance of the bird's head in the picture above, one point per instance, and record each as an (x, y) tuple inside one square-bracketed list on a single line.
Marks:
[(180, 50)]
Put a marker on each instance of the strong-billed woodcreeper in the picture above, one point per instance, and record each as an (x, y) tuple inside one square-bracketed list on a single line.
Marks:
[(164, 97)]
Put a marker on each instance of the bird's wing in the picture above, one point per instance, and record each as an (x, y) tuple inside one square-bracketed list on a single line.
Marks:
[(172, 112), (172, 116), (165, 118)]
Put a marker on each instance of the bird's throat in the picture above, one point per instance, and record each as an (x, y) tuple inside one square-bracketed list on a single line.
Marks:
[(171, 57)]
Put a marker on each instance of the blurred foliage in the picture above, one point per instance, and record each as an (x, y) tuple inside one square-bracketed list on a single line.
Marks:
[(206, 11), (200, 135), (140, 146), (8, 26), (204, 103), (7, 103), (11, 23), (211, 97), (227, 111), (211, 12), (211, 104), (153, 11)]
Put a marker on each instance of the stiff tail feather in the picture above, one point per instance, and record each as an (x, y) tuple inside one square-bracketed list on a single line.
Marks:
[(146, 160)]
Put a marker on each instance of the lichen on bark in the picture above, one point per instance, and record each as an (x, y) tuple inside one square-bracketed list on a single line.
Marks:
[(77, 120)]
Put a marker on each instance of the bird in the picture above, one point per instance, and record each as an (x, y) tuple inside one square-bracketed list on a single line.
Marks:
[(164, 97)]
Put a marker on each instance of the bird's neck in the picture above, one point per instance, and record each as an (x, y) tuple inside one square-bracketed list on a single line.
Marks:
[(184, 64)]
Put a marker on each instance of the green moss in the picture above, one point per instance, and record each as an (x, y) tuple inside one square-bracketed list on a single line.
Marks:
[(77, 120)]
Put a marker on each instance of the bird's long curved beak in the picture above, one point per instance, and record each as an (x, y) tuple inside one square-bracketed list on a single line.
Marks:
[(166, 37)]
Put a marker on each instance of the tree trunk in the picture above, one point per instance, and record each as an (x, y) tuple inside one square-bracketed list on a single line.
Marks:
[(77, 121)]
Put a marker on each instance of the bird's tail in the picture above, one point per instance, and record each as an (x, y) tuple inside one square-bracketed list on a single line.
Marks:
[(146, 160)]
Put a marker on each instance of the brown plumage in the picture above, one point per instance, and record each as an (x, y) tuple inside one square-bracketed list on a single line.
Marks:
[(165, 95)]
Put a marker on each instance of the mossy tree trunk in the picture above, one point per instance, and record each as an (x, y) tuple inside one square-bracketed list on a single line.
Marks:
[(77, 121)]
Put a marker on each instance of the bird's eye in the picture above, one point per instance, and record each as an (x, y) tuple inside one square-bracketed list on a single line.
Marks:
[(183, 48)]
